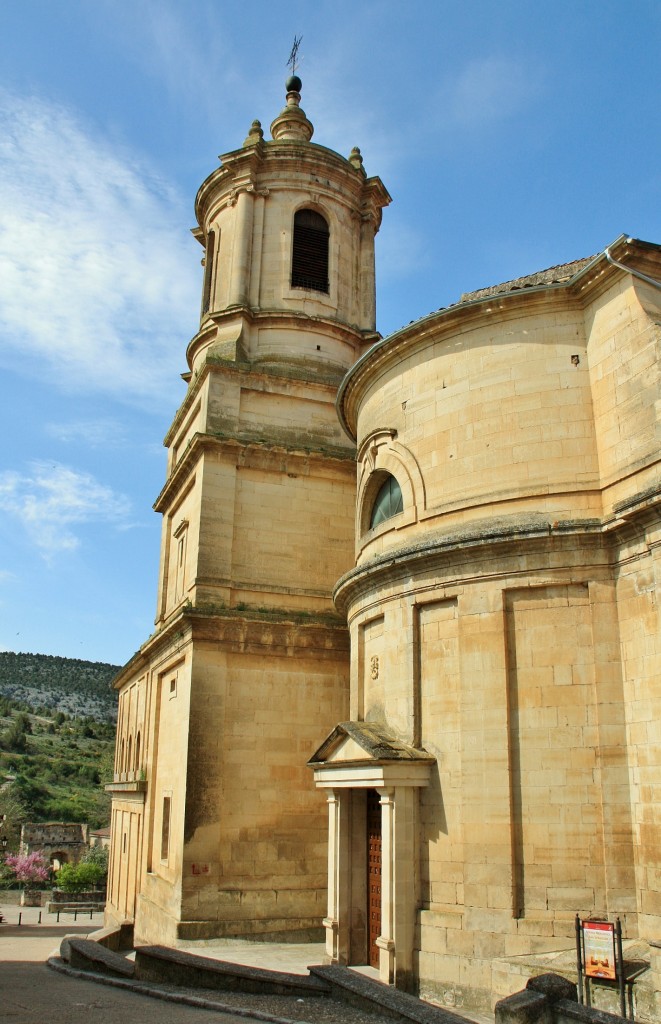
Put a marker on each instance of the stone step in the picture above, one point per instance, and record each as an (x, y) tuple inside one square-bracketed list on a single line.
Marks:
[(176, 967), (91, 956), (368, 994)]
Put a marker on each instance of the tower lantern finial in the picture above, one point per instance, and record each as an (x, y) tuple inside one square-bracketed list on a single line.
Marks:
[(292, 124), (293, 56)]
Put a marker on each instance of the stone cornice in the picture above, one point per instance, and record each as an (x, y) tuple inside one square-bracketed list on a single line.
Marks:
[(236, 444), (292, 319), (252, 371), (136, 786), (255, 166), (279, 632), (238, 316), (457, 550), (285, 632)]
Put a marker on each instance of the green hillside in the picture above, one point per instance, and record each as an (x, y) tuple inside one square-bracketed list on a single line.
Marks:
[(79, 688), (53, 767), (57, 728)]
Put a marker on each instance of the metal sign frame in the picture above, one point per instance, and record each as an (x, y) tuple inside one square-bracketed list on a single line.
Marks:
[(599, 957)]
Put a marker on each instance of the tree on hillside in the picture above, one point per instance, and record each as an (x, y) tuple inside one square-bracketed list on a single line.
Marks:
[(12, 816), (14, 738)]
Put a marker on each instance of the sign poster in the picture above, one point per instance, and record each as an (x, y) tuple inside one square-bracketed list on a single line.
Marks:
[(599, 949)]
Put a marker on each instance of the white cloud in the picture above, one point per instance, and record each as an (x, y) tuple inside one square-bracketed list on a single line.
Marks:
[(99, 281), (51, 499)]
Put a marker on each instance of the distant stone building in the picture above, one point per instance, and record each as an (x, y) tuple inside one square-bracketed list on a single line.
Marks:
[(99, 837), (60, 842), (487, 678)]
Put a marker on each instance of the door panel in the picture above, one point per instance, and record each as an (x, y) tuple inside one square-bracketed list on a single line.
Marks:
[(373, 874)]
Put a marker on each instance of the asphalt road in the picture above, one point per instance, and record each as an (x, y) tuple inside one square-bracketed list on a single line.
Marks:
[(31, 993)]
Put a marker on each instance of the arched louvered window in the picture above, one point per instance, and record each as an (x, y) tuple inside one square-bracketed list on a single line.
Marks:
[(388, 502), (309, 259)]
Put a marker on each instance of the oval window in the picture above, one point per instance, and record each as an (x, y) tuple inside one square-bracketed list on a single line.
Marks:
[(388, 502)]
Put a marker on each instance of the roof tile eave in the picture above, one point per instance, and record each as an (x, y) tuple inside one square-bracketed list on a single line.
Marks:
[(562, 273)]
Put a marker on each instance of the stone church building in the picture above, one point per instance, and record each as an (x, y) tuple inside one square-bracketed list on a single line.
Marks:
[(405, 683)]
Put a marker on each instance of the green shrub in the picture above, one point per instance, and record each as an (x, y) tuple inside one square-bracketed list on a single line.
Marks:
[(79, 877)]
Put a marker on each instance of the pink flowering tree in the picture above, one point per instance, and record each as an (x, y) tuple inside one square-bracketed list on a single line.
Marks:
[(30, 868)]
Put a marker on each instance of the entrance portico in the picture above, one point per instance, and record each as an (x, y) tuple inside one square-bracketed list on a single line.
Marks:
[(358, 763)]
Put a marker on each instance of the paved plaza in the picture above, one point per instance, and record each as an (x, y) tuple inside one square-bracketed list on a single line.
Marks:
[(31, 992)]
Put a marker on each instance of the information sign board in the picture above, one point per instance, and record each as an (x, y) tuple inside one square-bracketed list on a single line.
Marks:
[(599, 949)]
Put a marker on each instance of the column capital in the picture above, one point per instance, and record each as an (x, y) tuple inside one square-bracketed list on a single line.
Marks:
[(247, 189)]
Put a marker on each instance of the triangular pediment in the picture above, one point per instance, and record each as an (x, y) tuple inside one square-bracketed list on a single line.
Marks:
[(364, 742)]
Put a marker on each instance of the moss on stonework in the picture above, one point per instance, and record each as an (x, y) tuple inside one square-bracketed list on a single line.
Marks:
[(290, 442), (291, 370), (244, 611)]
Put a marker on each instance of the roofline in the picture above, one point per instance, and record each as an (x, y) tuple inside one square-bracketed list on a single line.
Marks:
[(440, 313), (250, 162)]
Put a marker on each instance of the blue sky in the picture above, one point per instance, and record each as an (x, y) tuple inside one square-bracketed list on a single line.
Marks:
[(511, 136)]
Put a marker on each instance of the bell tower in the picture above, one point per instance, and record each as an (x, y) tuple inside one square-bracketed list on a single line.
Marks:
[(219, 829), (288, 229)]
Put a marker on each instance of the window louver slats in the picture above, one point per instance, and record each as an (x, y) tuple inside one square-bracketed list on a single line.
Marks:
[(309, 267)]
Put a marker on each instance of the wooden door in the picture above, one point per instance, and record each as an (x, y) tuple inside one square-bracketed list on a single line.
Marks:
[(373, 874)]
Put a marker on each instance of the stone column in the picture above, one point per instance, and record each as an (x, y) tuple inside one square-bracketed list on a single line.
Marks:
[(398, 873), (367, 276), (240, 277), (619, 848), (386, 940), (337, 921), (485, 757), (254, 286)]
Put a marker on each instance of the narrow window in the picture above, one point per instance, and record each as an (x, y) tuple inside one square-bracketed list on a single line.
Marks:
[(309, 260), (137, 752), (129, 763), (165, 829), (180, 535), (208, 272), (388, 502)]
